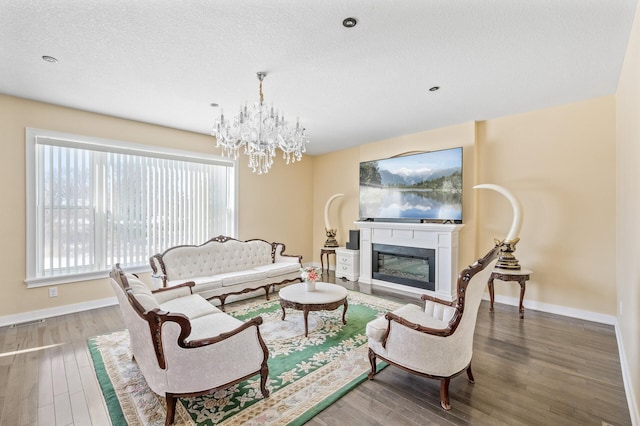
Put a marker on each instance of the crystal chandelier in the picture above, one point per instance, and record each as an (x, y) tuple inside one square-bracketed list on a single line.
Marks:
[(260, 130)]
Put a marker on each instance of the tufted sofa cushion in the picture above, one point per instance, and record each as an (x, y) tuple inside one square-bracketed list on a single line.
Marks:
[(142, 293), (202, 283), (246, 276), (212, 325), (193, 306), (439, 311), (375, 329), (278, 268), (182, 263)]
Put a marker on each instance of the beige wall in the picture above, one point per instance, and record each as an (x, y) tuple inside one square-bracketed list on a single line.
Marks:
[(560, 163), (272, 207), (628, 214), (334, 173), (338, 172), (277, 206)]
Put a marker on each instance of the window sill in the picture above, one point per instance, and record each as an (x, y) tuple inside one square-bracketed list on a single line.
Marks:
[(87, 276)]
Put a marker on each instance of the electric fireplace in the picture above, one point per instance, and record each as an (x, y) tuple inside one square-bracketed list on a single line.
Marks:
[(411, 266)]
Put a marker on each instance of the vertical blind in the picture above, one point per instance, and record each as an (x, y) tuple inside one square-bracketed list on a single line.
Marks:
[(95, 208)]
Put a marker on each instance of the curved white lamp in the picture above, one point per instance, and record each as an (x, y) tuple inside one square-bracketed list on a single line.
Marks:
[(507, 260), (331, 232)]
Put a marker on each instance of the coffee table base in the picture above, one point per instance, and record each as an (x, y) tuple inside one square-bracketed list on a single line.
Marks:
[(308, 307)]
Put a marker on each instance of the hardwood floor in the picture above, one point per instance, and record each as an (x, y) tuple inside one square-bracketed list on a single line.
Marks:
[(543, 370)]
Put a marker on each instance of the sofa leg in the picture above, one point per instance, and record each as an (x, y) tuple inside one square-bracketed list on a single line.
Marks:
[(266, 290), (372, 361), (444, 394), (470, 374), (222, 298), (171, 409)]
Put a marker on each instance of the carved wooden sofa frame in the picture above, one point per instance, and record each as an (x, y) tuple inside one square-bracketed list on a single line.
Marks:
[(277, 252), (459, 307), (157, 318)]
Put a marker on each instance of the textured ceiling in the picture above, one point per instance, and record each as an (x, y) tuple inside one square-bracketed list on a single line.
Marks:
[(165, 62)]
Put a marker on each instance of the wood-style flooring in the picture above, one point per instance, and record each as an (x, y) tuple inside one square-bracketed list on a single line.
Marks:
[(543, 370)]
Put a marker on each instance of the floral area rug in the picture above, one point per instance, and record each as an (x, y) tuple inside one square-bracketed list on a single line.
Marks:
[(306, 374)]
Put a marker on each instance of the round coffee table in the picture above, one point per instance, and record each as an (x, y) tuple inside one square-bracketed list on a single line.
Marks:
[(327, 297)]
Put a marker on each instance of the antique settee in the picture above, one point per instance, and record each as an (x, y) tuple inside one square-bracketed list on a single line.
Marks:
[(185, 346), (225, 266)]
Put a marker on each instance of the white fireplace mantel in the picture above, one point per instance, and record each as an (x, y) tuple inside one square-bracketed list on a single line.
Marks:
[(443, 238)]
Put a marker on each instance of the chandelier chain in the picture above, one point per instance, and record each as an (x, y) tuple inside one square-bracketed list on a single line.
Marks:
[(261, 77)]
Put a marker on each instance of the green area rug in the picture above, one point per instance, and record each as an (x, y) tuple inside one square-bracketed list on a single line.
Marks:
[(305, 374)]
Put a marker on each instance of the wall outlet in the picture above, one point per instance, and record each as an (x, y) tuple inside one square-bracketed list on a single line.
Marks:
[(53, 291)]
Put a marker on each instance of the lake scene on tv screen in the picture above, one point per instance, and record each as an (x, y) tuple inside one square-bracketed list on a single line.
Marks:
[(420, 186)]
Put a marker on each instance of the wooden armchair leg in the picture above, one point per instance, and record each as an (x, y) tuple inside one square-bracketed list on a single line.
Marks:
[(264, 376), (171, 409), (444, 394), (470, 374), (372, 360)]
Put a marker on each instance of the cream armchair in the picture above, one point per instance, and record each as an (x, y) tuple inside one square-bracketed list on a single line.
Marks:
[(183, 345), (437, 341)]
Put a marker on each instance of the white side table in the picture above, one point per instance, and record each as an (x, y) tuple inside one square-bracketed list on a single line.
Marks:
[(347, 264)]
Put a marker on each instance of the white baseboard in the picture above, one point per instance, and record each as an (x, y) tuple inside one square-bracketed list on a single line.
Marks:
[(318, 265), (556, 309), (626, 378), (57, 311)]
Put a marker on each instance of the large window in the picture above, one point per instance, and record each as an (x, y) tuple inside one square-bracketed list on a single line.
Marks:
[(92, 203)]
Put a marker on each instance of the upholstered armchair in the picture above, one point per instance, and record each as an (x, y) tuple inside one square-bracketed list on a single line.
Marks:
[(183, 345), (435, 342)]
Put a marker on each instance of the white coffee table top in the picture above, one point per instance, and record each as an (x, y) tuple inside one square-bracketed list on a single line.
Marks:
[(325, 293)]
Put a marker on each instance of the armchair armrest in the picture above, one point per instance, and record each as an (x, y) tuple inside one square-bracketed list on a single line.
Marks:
[(440, 332), (158, 280), (253, 322), (278, 256), (173, 287), (157, 317), (426, 297), (169, 293)]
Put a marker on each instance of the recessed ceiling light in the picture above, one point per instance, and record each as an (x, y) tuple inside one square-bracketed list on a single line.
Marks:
[(50, 59), (434, 88), (213, 104), (349, 22)]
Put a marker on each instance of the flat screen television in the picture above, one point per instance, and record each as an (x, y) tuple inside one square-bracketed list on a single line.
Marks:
[(418, 187)]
